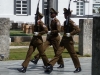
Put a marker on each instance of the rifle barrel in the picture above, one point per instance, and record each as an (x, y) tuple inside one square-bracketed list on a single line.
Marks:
[(36, 17)]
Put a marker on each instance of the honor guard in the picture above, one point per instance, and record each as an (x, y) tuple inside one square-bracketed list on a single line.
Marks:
[(69, 29), (36, 42), (53, 38)]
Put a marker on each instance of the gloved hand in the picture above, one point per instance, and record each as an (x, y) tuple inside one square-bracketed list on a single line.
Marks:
[(49, 32), (68, 34), (36, 33), (59, 34)]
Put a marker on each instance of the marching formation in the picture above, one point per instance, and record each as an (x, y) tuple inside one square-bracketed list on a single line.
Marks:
[(69, 29)]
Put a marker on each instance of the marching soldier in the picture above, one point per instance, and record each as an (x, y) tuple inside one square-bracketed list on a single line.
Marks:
[(53, 38), (66, 42), (36, 42)]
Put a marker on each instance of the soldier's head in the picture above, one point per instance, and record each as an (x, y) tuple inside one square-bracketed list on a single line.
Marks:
[(40, 16), (53, 13), (67, 12)]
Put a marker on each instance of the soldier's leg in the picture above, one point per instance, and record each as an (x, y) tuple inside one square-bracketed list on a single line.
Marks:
[(46, 44), (27, 59), (57, 55), (37, 56), (60, 60), (42, 54), (70, 48), (28, 56), (54, 60)]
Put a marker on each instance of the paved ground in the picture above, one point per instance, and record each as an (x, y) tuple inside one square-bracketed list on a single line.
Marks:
[(10, 67), (14, 47)]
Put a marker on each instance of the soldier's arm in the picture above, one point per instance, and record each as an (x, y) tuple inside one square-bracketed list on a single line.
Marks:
[(45, 30), (76, 29), (58, 28), (62, 28)]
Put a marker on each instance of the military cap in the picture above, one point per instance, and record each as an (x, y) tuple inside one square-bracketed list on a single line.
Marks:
[(53, 11), (40, 15), (66, 11)]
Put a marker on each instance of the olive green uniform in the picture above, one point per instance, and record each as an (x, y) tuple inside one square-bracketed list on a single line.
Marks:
[(67, 42), (53, 38), (37, 42)]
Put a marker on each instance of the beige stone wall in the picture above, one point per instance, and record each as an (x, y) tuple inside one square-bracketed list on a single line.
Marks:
[(85, 36), (4, 38)]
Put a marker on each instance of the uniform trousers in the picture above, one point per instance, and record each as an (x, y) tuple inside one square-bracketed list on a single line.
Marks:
[(66, 42), (54, 41), (35, 43)]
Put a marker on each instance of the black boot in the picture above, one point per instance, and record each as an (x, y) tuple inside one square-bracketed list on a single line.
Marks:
[(35, 61), (61, 66), (49, 69), (23, 69), (77, 70), (44, 67)]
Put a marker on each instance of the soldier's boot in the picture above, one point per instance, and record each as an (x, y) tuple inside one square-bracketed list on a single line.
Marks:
[(44, 67), (49, 69), (23, 69), (61, 66), (35, 61), (78, 70)]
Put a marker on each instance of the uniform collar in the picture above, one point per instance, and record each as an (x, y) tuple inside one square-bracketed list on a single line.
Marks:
[(53, 18)]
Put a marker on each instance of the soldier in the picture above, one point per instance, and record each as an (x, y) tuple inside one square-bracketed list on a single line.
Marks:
[(36, 41), (66, 42), (53, 38)]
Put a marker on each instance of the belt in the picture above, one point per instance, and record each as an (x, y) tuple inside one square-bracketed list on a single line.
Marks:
[(38, 37)]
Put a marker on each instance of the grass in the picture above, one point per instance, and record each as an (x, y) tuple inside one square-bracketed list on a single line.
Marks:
[(18, 33), (20, 53)]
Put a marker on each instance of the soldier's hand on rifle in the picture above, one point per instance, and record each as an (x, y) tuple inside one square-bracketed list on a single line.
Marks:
[(38, 21), (68, 34), (36, 33), (49, 32)]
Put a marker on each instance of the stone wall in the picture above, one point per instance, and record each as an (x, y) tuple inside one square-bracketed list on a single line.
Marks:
[(4, 38), (28, 38), (21, 38), (85, 36)]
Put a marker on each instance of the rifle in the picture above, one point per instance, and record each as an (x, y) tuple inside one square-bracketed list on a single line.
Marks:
[(47, 18), (47, 14), (36, 18), (67, 19)]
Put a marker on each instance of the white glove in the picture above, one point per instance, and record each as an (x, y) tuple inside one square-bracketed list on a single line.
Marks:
[(36, 33), (59, 34), (68, 34), (49, 32)]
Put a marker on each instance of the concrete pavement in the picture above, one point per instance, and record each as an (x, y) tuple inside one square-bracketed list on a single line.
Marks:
[(14, 47), (10, 67)]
